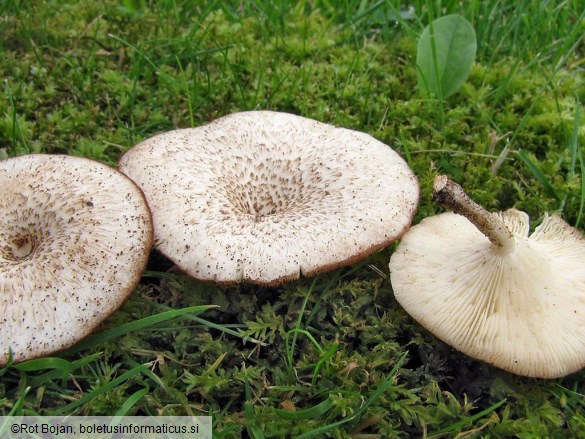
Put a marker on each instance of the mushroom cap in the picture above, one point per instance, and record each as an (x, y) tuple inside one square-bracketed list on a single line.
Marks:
[(75, 236), (262, 196), (523, 311)]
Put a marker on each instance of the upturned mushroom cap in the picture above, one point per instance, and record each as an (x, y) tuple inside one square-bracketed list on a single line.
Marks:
[(75, 236), (262, 196), (514, 300)]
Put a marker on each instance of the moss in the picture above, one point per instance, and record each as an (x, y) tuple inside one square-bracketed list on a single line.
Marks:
[(96, 78)]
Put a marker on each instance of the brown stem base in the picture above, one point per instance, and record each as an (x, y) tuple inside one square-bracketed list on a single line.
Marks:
[(451, 196)]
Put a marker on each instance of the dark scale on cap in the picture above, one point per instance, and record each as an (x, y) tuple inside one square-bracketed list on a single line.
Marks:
[(70, 265), (264, 197)]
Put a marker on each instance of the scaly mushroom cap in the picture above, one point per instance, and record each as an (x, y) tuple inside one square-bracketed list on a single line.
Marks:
[(75, 236), (520, 307), (263, 196)]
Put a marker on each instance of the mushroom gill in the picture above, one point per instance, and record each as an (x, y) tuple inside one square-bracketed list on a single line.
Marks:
[(480, 282)]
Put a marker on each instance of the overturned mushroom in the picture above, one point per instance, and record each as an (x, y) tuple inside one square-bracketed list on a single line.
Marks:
[(481, 283), (74, 239), (262, 197)]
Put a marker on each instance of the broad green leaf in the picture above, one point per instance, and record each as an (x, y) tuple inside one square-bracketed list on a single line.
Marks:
[(445, 54)]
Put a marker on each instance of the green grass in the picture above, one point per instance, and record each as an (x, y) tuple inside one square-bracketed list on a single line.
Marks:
[(94, 78)]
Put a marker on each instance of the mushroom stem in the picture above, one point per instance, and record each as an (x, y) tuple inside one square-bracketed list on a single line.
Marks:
[(452, 196)]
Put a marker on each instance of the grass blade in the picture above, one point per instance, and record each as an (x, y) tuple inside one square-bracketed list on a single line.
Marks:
[(208, 324), (137, 325), (16, 408), (187, 92), (324, 358), (253, 429), (382, 387), (582, 194), (150, 374), (17, 134), (63, 372), (457, 425), (574, 140), (131, 401), (538, 175), (8, 365), (68, 409), (44, 363), (311, 413)]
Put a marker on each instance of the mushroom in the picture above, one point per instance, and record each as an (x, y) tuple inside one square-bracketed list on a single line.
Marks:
[(262, 196), (479, 281), (75, 236)]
